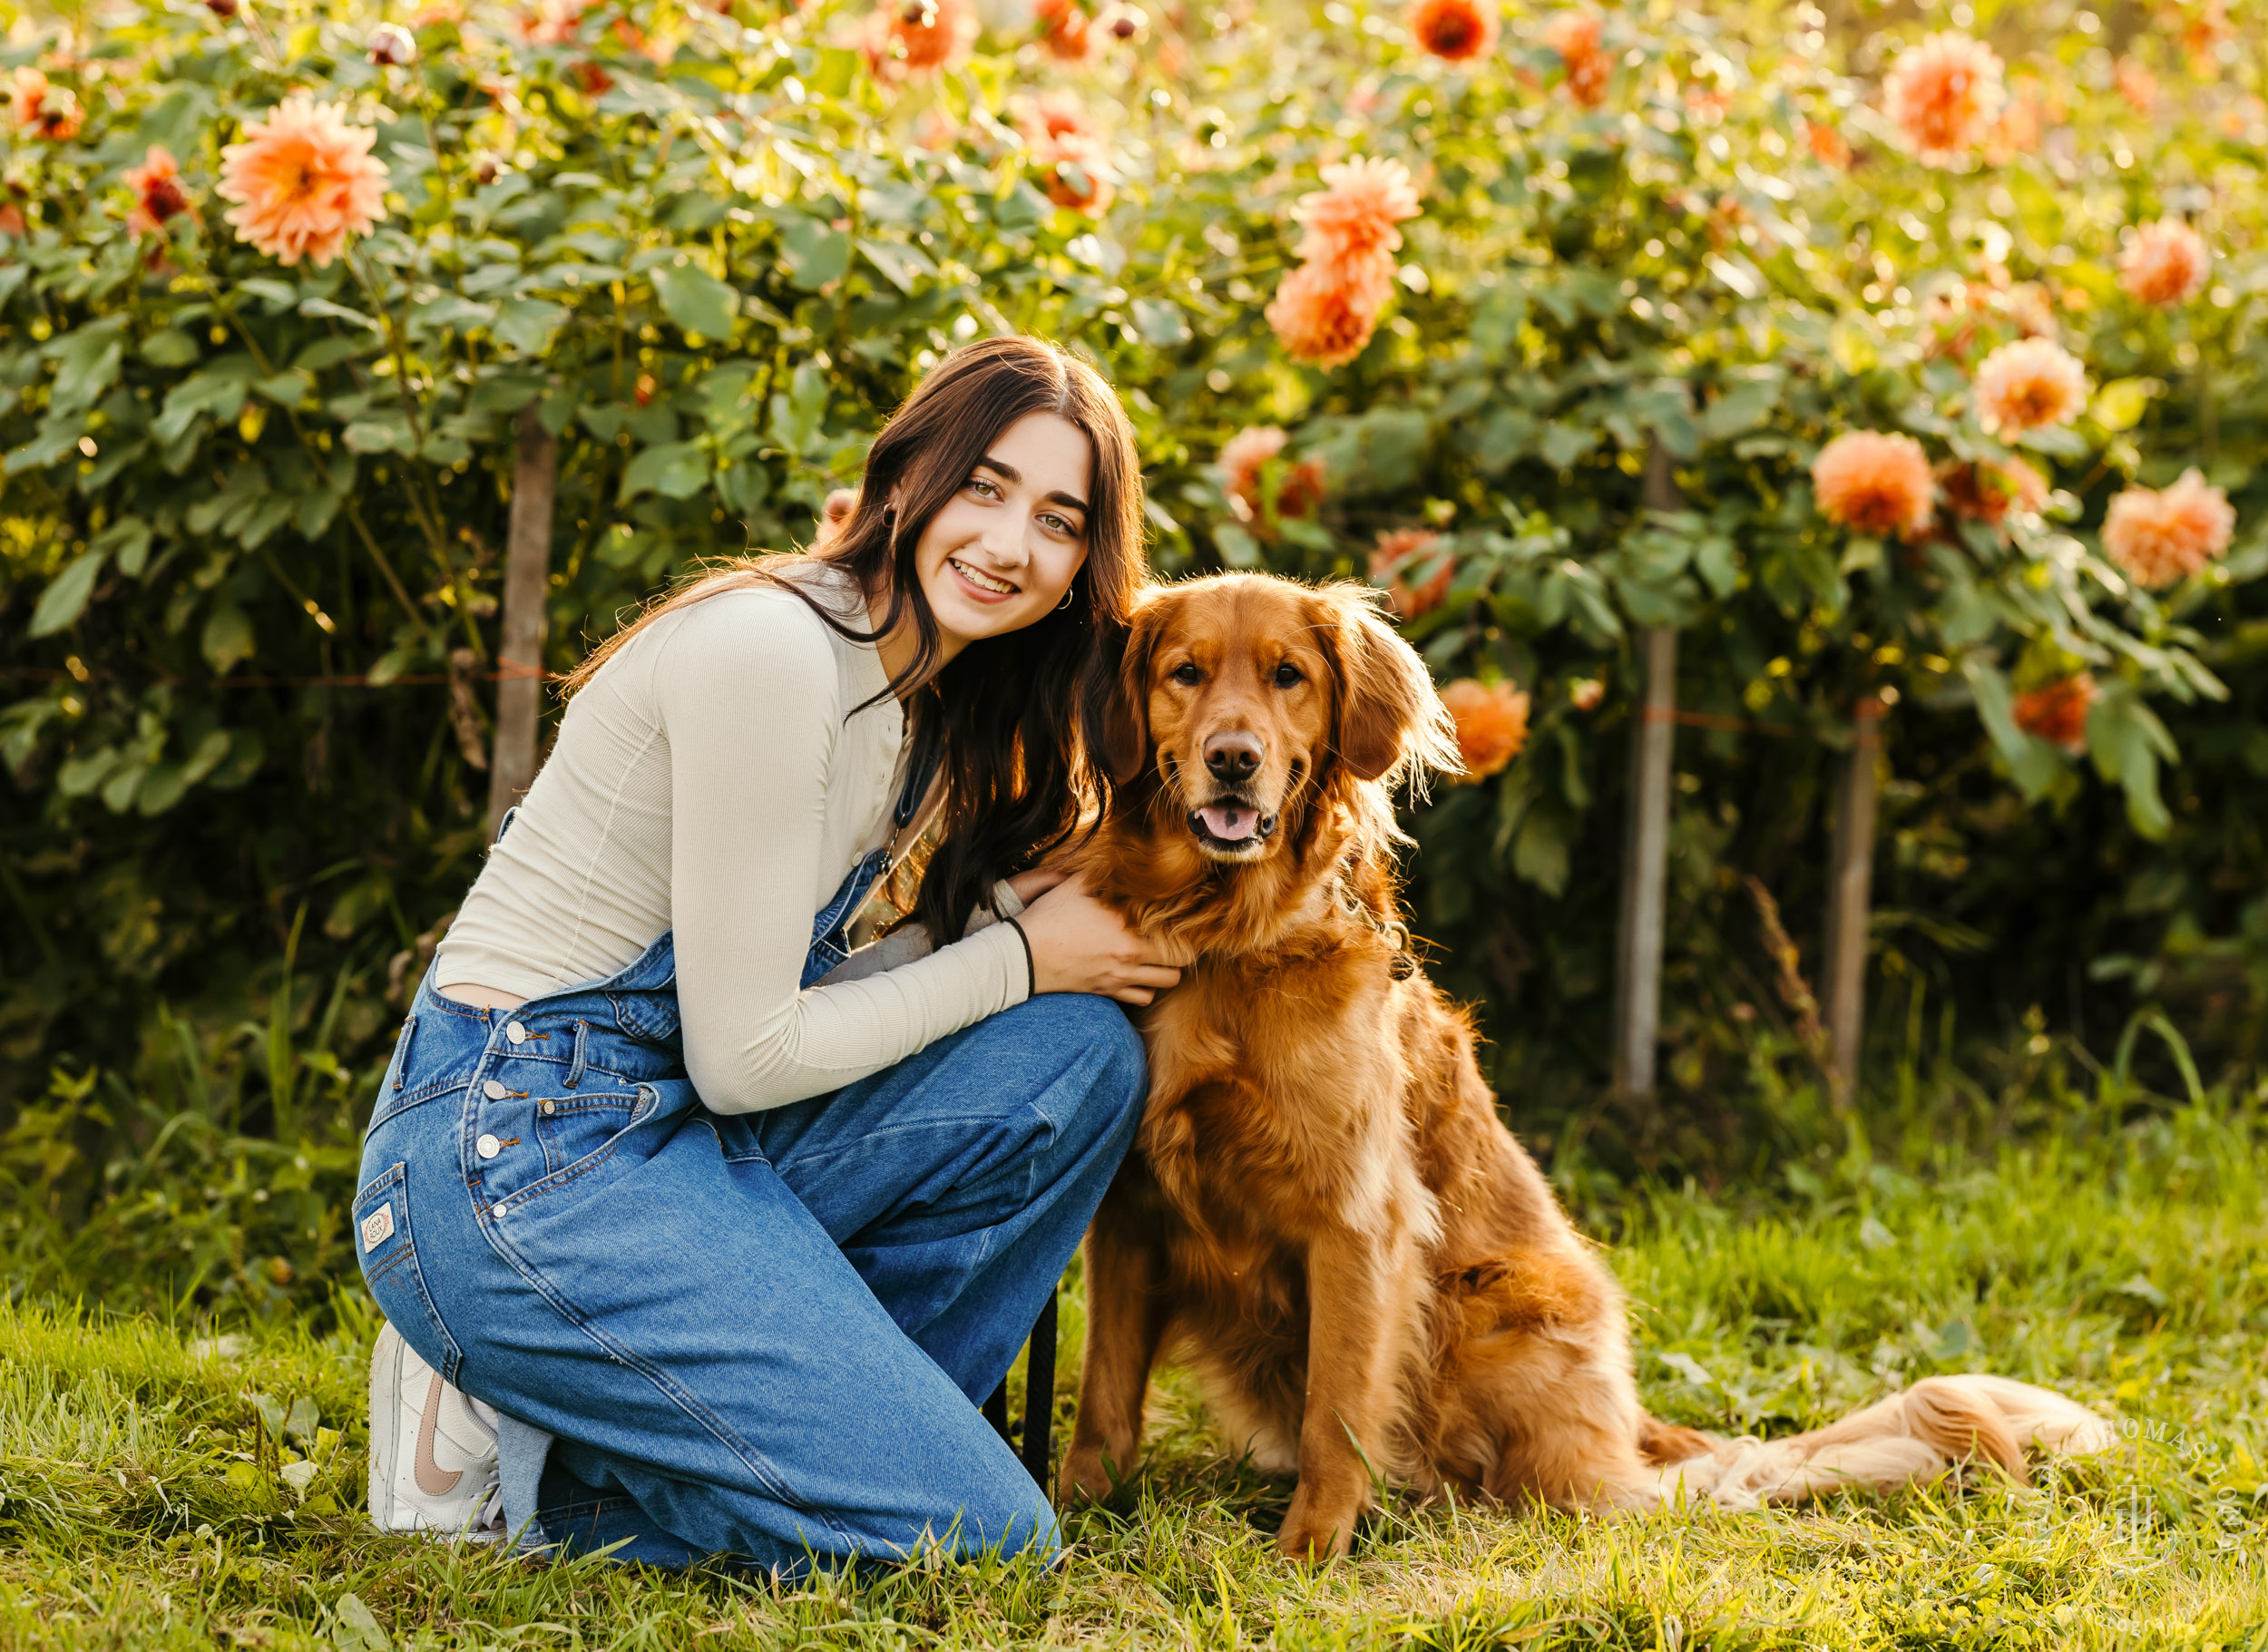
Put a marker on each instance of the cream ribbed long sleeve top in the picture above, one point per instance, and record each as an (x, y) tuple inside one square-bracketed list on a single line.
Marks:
[(710, 780)]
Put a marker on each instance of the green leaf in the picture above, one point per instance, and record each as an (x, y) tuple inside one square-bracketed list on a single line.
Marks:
[(2120, 404), (228, 639), (1563, 443), (1542, 854), (1160, 321), (128, 539), (355, 1628), (277, 295), (375, 436), (207, 757), (170, 348), (835, 71), (2128, 742), (86, 363), (1237, 548), (527, 324), (65, 598), (815, 251), (287, 388), (904, 266), (695, 299), (676, 470)]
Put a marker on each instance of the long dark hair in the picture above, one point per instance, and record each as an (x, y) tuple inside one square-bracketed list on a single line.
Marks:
[(1020, 717)]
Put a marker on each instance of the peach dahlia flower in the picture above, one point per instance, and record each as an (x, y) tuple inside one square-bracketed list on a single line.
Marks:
[(304, 180), (1944, 95), (158, 193), (1242, 458), (1873, 482), (1066, 29), (1356, 210), (2160, 537), (2165, 263), (1397, 550), (1576, 37), (2028, 384), (2058, 711), (43, 109), (1988, 492), (917, 36), (1492, 720), (1062, 135), (1455, 31), (1325, 310)]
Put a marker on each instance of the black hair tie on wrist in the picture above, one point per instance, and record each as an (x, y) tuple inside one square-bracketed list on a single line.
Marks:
[(1031, 969)]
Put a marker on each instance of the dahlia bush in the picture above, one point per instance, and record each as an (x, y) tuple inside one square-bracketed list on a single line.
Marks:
[(1920, 339)]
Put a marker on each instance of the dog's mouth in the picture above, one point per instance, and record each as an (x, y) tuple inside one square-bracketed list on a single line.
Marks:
[(1231, 828)]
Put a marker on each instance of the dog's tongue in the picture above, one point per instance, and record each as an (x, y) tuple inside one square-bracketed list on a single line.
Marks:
[(1230, 825)]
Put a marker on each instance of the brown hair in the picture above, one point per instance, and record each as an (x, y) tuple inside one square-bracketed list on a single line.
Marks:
[(1020, 715)]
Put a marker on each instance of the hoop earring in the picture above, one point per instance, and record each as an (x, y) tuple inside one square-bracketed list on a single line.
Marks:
[(1066, 602)]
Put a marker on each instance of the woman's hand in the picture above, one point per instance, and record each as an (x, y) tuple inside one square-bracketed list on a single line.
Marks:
[(1031, 885), (1080, 945)]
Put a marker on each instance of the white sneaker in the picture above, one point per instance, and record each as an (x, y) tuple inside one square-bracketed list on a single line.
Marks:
[(433, 1452)]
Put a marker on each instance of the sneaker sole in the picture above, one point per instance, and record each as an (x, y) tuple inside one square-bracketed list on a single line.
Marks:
[(386, 1422)]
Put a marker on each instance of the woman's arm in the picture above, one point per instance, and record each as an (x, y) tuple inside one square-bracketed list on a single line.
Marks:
[(748, 694), (908, 941)]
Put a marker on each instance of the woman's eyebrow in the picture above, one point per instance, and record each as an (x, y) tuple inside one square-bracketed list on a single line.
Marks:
[(1010, 474)]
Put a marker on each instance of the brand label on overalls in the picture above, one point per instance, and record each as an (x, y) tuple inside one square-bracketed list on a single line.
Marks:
[(378, 1228)]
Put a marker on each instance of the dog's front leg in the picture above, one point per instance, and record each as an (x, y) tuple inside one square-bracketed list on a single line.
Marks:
[(1126, 1311), (1361, 1289)]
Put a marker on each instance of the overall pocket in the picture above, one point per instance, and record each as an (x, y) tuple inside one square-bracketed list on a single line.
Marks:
[(387, 1247), (572, 1128)]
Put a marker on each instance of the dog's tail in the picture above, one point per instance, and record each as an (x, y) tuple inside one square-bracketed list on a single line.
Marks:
[(1939, 1423)]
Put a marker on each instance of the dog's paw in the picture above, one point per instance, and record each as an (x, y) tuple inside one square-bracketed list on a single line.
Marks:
[(1314, 1533), (1086, 1477)]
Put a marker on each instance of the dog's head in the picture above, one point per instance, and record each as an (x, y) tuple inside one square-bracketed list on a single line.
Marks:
[(1251, 698)]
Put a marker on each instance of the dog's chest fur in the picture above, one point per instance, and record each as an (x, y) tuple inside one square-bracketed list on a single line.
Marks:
[(1277, 1106)]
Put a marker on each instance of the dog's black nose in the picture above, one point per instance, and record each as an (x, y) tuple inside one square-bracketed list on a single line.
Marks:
[(1233, 757)]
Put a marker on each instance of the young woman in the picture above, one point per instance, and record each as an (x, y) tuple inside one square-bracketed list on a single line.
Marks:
[(697, 1233)]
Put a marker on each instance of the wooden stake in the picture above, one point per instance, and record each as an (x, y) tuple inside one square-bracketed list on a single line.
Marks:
[(1646, 836), (1850, 898), (527, 588)]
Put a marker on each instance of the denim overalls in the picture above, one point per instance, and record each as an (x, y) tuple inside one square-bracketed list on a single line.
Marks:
[(759, 1335)]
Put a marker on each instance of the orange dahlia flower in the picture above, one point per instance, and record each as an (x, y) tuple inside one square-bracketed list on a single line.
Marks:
[(158, 193), (1355, 212), (2028, 384), (1874, 483), (2137, 85), (1455, 31), (1492, 720), (1944, 95), (918, 37), (1065, 30), (2058, 711), (44, 109), (1828, 146), (304, 180), (1243, 457), (1325, 310), (1576, 37), (1988, 492), (2165, 263), (1069, 149), (1397, 550), (2161, 537)]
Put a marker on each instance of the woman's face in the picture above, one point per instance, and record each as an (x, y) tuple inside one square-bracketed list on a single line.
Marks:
[(1006, 547)]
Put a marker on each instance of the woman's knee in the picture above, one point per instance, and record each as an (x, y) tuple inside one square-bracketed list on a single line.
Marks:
[(1101, 1038)]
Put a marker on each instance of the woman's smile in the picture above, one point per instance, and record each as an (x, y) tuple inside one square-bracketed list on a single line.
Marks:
[(984, 587)]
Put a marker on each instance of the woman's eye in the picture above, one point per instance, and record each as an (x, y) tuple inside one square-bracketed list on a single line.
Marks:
[(1286, 675), (1186, 674), (1055, 524), (978, 484)]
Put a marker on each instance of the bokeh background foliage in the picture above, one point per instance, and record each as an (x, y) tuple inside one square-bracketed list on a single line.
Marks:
[(252, 514)]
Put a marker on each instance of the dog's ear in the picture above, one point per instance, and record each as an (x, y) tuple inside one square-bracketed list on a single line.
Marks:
[(1391, 720), (1126, 707)]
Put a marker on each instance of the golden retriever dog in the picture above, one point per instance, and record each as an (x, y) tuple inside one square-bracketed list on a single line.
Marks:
[(1325, 1213)]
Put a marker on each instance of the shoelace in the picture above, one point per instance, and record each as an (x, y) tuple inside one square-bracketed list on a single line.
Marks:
[(488, 1525)]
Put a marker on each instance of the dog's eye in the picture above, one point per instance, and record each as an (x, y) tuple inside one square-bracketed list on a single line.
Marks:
[(1187, 674), (1287, 675)]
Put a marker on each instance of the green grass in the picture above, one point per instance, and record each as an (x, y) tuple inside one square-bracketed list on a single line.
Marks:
[(162, 1488)]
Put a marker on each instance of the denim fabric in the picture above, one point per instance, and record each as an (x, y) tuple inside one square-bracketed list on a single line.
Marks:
[(759, 1335)]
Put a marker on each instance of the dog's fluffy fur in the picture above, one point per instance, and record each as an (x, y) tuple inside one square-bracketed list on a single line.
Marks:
[(1325, 1213)]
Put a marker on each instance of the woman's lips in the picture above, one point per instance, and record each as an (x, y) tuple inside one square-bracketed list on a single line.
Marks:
[(983, 593)]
